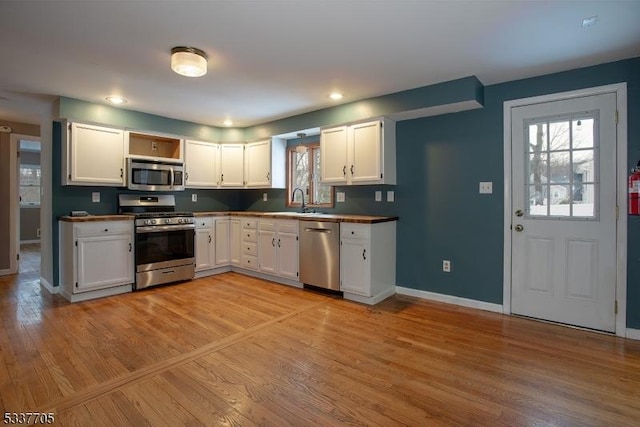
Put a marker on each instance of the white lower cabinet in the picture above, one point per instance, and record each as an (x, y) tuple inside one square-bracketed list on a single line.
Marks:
[(278, 247), (367, 261), (205, 246), (249, 243), (235, 249), (96, 258)]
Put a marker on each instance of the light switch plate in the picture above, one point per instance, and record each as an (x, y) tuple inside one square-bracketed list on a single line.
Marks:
[(265, 197), (391, 197), (340, 196), (194, 197), (95, 197), (486, 187), (378, 196)]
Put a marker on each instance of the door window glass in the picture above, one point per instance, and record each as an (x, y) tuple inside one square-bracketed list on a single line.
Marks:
[(562, 165)]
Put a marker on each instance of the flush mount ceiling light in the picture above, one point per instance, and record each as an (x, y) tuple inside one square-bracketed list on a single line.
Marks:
[(590, 21), (228, 122), (336, 96), (117, 100), (188, 61)]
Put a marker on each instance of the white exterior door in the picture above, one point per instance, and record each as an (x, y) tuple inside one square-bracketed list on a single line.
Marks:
[(563, 217)]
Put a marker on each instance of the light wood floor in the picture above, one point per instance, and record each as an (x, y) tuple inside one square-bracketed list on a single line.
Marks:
[(234, 350)]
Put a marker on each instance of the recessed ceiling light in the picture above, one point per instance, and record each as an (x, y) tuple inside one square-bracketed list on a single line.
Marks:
[(117, 100), (188, 61), (336, 96), (590, 21), (227, 123)]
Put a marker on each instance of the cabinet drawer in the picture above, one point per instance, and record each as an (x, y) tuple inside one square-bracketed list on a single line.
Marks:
[(250, 248), (204, 222), (355, 231), (249, 235), (249, 223), (98, 228), (250, 261), (288, 227), (267, 225)]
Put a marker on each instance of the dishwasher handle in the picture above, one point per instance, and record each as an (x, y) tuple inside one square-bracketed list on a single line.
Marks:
[(318, 230)]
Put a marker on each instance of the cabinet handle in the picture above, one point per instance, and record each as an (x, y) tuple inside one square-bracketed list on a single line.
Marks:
[(268, 176), (221, 177), (273, 242), (278, 242), (106, 230), (130, 247), (121, 173), (364, 252), (351, 170), (344, 170), (186, 176), (209, 238)]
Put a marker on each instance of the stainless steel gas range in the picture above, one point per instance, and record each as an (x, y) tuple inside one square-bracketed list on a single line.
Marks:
[(164, 239)]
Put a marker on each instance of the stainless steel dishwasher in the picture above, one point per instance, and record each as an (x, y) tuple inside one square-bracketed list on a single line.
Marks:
[(320, 254)]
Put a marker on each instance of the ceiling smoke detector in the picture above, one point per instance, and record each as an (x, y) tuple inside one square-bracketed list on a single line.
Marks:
[(188, 61)]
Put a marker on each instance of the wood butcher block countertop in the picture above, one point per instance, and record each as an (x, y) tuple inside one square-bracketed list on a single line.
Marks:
[(89, 218), (362, 219)]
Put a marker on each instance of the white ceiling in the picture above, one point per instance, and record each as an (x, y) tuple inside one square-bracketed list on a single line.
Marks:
[(272, 59)]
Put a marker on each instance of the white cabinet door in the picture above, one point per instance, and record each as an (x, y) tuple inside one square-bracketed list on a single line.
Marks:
[(287, 245), (333, 155), (222, 252), (267, 252), (95, 270), (204, 249), (232, 165), (257, 166), (201, 163), (355, 267), (235, 249), (364, 152), (96, 156)]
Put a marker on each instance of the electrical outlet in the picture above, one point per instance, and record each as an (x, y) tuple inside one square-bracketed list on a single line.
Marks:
[(37, 232), (95, 197), (446, 266), (154, 145), (194, 197), (340, 197), (378, 196), (391, 197), (486, 187), (265, 197)]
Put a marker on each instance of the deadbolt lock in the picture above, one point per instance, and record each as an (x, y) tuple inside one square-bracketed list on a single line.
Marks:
[(519, 212)]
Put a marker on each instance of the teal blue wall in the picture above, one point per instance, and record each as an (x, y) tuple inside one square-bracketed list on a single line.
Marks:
[(440, 162)]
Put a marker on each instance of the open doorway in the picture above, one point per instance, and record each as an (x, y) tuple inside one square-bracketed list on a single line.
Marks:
[(29, 194)]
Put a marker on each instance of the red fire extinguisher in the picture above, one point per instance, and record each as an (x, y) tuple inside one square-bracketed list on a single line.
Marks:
[(634, 191)]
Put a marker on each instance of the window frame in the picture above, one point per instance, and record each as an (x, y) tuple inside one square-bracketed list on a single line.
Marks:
[(20, 185), (291, 151)]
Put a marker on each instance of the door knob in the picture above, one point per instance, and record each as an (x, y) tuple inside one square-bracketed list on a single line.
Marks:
[(519, 227), (519, 212)]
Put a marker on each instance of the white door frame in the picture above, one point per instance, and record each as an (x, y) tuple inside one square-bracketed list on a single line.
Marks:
[(621, 192)]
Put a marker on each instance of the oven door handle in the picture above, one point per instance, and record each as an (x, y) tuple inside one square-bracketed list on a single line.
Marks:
[(161, 228)]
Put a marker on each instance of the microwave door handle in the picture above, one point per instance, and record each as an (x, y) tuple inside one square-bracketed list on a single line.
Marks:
[(171, 177)]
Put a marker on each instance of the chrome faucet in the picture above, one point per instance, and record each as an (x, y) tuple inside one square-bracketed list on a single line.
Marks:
[(303, 208)]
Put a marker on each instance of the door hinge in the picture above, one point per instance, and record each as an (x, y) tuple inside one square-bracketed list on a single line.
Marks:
[(18, 257), (76, 284), (296, 238), (617, 212), (616, 307), (617, 116), (18, 154), (76, 243)]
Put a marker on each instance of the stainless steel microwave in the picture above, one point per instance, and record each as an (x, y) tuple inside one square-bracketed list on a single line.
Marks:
[(152, 175)]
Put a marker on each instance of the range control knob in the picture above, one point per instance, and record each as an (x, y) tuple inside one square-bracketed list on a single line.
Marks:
[(180, 221), (167, 221)]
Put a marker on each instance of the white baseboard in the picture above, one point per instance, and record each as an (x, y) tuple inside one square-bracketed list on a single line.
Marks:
[(52, 289), (370, 300), (450, 299), (633, 334)]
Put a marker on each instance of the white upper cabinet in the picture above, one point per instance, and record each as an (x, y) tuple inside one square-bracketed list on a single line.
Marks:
[(265, 163), (202, 163), (93, 155), (333, 155), (359, 154), (232, 165)]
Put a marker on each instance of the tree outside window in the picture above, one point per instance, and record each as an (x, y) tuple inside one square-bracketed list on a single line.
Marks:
[(304, 173)]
